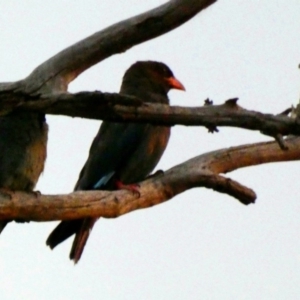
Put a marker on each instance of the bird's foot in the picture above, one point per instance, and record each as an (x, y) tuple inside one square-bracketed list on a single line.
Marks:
[(37, 194), (129, 187)]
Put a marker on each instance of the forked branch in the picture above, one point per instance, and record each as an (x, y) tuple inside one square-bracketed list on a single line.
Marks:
[(56, 73), (201, 171)]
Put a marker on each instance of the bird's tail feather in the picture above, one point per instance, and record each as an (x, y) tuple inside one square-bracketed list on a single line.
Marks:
[(81, 238), (63, 231)]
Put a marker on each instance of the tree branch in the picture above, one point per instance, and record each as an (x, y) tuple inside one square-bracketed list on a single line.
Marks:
[(57, 72), (115, 107), (201, 171)]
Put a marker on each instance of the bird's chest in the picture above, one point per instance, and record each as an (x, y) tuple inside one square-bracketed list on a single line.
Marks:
[(29, 164), (35, 156), (156, 140), (146, 156), (23, 149)]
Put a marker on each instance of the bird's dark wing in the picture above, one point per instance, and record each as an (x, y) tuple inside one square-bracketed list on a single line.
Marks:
[(111, 148)]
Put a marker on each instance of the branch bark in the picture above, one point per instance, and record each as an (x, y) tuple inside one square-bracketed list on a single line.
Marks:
[(57, 72), (201, 171), (42, 91), (115, 107)]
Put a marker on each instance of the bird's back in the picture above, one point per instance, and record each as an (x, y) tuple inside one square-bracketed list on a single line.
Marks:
[(23, 139), (23, 142)]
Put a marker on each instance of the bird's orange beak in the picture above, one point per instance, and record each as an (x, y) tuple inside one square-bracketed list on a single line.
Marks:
[(175, 83)]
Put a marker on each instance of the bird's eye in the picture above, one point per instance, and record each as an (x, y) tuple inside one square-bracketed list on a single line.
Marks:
[(160, 70), (166, 72)]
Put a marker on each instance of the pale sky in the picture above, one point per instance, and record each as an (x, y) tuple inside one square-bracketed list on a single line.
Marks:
[(201, 244)]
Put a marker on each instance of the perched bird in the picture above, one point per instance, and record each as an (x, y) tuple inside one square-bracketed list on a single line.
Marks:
[(122, 154), (23, 148)]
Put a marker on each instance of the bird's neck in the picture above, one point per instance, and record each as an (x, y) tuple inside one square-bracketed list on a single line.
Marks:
[(146, 91)]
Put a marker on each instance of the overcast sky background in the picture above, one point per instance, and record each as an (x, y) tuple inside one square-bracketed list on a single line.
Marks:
[(201, 244)]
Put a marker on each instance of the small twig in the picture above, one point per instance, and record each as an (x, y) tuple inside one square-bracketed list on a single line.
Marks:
[(286, 112), (279, 139)]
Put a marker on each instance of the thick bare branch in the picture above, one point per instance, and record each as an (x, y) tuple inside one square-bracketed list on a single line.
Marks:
[(201, 171), (9, 86), (115, 107), (57, 72)]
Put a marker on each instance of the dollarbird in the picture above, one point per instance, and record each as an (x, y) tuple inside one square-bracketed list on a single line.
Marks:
[(23, 150), (122, 154)]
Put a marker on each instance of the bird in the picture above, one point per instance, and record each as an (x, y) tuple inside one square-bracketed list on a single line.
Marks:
[(122, 154), (23, 148)]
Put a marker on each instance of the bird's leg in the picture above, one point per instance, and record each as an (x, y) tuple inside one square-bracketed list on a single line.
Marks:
[(129, 187), (37, 194)]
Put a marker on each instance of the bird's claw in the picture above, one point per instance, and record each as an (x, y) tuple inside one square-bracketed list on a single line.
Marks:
[(134, 188), (37, 194)]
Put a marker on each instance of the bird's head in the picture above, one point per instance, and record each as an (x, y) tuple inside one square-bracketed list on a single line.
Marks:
[(152, 75)]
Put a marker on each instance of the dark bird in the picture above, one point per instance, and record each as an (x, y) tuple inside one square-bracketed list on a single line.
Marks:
[(23, 142), (122, 154)]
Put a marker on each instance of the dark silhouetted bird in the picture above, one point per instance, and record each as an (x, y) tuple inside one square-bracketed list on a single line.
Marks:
[(23, 148), (122, 153)]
